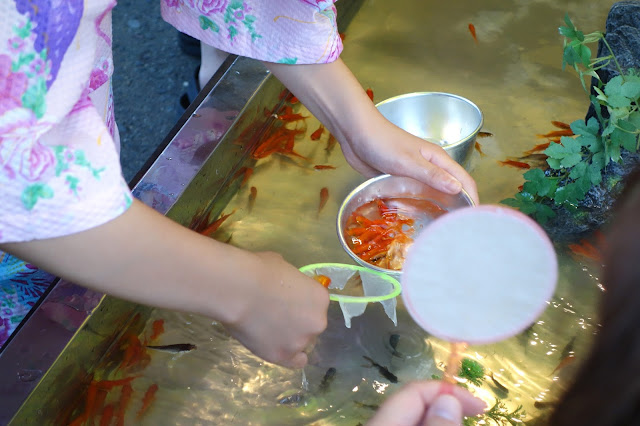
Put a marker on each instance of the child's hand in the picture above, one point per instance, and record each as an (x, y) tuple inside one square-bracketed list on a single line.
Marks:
[(284, 311), (425, 404)]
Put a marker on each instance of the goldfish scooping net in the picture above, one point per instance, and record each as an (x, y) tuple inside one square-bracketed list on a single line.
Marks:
[(355, 286)]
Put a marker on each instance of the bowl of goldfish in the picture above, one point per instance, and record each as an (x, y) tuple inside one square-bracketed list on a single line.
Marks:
[(378, 221), (445, 119)]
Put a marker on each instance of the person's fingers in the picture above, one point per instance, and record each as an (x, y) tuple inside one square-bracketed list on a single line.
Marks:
[(450, 166), (445, 410), (298, 361)]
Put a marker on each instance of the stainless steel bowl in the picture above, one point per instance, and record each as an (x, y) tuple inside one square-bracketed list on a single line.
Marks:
[(388, 186), (450, 121)]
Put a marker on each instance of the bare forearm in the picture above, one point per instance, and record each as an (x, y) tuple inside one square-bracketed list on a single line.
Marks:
[(147, 258)]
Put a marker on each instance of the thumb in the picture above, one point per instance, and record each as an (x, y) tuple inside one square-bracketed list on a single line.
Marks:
[(444, 411)]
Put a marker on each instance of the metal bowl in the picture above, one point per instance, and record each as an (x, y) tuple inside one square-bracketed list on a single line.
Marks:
[(388, 186), (450, 121)]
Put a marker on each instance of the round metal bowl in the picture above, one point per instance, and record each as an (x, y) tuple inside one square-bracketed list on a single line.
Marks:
[(448, 120), (388, 186)]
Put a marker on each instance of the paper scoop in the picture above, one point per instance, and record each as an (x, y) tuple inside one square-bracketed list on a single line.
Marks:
[(479, 275)]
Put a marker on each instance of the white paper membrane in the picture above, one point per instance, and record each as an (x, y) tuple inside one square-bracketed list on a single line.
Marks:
[(479, 274), (372, 286)]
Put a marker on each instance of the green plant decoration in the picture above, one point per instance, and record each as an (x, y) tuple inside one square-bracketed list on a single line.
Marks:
[(471, 370), (576, 164)]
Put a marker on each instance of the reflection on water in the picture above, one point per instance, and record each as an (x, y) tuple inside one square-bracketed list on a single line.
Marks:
[(514, 75)]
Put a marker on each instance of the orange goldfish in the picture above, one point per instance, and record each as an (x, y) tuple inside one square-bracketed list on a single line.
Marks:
[(557, 133), (157, 329), (323, 279), (484, 134), (107, 415), (478, 148), (216, 224), (472, 30), (513, 163), (538, 148), (316, 135), (324, 167), (566, 361), (370, 94), (324, 196), (147, 399), (331, 142), (586, 249), (561, 125), (123, 403)]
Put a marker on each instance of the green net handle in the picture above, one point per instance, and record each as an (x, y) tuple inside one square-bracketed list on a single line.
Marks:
[(364, 299)]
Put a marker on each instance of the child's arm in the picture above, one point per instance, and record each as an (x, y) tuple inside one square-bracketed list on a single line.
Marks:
[(267, 304), (370, 143)]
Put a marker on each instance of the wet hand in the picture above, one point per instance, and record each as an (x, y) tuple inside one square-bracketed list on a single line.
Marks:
[(386, 148), (283, 312)]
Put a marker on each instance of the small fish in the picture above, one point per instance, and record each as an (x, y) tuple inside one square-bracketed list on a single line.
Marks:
[(216, 224), (157, 328), (586, 249), (568, 348), (289, 118), (326, 380), (296, 398), (485, 134), (478, 148), (324, 167), (538, 148), (324, 196), (566, 361), (316, 134), (107, 415), (472, 30), (342, 36), (513, 163), (561, 125), (373, 407), (123, 403), (370, 94), (556, 133), (293, 100), (384, 371), (331, 142), (253, 193), (147, 399), (538, 161), (499, 385), (323, 279), (175, 348)]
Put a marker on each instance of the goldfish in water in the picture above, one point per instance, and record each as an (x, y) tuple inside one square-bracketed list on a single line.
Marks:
[(147, 399), (123, 403), (538, 148), (370, 94), (316, 134), (586, 249), (566, 361), (107, 415), (513, 163), (561, 125), (216, 224), (324, 167), (472, 30), (557, 133), (324, 196), (331, 142), (157, 328), (323, 279), (484, 134), (478, 148)]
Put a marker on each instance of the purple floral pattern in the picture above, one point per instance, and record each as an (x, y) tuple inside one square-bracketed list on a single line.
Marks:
[(291, 32)]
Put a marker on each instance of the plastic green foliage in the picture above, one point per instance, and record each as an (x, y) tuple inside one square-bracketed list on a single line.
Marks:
[(472, 370), (576, 164)]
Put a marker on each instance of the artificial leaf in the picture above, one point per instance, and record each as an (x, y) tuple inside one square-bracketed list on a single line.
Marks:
[(578, 171), (614, 86), (544, 213), (571, 160), (554, 163), (618, 101)]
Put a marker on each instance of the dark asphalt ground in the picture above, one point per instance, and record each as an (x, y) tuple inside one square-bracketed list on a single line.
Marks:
[(151, 72)]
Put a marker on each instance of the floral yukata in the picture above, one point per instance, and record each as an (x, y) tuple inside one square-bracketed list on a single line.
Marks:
[(59, 146)]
